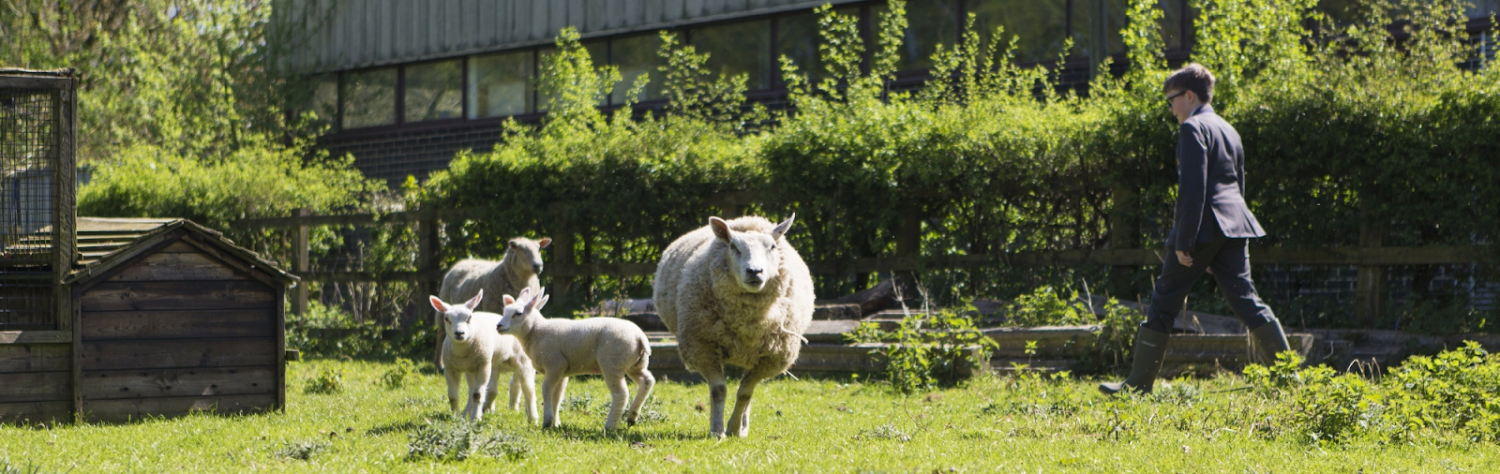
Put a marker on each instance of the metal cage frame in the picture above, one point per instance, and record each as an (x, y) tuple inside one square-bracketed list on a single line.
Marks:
[(38, 201)]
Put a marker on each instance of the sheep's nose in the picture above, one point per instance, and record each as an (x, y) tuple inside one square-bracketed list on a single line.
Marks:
[(753, 274), (459, 335), (537, 268)]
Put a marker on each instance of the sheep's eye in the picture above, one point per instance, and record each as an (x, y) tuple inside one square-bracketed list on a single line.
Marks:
[(735, 248)]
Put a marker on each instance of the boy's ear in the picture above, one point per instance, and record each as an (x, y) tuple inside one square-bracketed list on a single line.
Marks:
[(438, 304)]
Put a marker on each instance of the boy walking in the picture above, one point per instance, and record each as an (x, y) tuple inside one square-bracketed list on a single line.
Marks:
[(1210, 232)]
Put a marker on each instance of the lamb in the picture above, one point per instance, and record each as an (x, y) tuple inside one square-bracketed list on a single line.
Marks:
[(735, 293), (475, 351), (516, 270), (613, 347)]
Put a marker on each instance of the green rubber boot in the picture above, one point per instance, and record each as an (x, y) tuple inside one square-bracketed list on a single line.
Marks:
[(1271, 340), (1150, 349)]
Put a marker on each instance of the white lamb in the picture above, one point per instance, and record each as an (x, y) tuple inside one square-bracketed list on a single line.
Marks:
[(475, 351), (613, 347), (735, 293), (516, 270)]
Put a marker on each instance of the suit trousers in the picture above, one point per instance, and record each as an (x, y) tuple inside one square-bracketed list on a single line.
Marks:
[(1230, 260)]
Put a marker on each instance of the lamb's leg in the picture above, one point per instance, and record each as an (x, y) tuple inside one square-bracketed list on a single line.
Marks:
[(739, 422), (527, 375), (515, 386), (551, 397), (615, 381), (476, 393), (643, 383), (492, 388), (562, 394), (714, 375), (454, 384)]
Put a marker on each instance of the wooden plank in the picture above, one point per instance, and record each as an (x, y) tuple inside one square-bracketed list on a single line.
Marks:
[(179, 247), (205, 382), (178, 295), (35, 337), (33, 412), (280, 350), (138, 408), (244, 263), (159, 354), (196, 324), (178, 266), (35, 387), (34, 357)]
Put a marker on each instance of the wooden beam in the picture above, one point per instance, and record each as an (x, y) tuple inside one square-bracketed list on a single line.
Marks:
[(36, 337)]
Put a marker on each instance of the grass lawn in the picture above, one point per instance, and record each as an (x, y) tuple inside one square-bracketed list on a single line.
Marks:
[(990, 425)]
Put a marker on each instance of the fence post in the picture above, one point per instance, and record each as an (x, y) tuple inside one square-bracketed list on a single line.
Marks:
[(1369, 288), (300, 264), (1123, 234), (427, 257)]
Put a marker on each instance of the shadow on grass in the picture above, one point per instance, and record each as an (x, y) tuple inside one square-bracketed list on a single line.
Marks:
[(632, 434)]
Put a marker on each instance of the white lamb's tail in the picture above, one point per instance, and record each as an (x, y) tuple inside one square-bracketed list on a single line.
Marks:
[(643, 353)]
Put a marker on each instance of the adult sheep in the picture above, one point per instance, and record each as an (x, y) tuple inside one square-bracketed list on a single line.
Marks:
[(735, 292), (516, 271)]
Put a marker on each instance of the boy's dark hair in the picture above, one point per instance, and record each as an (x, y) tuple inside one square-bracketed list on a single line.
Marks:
[(1193, 77)]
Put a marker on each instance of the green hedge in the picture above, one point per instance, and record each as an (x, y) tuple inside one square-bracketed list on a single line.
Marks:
[(1358, 127)]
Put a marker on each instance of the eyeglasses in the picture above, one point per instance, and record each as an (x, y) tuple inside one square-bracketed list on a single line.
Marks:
[(1174, 96)]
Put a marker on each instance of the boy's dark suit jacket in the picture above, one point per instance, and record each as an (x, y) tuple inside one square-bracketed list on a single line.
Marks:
[(1210, 183)]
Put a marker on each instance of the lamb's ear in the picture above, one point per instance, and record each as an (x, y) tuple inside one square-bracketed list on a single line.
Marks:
[(508, 300), (474, 302), (541, 301), (721, 228), (784, 226), (511, 244), (438, 304), (525, 292), (541, 244)]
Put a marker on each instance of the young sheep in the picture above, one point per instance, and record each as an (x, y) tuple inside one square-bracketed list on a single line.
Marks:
[(735, 293), (613, 347), (475, 351), (516, 270)]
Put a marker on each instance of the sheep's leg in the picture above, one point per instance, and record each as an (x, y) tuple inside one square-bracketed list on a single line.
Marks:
[(615, 381), (454, 386), (552, 397), (739, 422), (717, 389), (527, 375), (562, 394), (643, 383)]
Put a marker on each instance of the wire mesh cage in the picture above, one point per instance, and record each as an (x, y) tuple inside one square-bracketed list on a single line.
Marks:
[(33, 124)]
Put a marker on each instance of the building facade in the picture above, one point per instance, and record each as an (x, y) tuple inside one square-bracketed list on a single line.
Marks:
[(406, 84)]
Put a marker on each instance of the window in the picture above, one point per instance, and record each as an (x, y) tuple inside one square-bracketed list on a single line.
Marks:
[(369, 98), (1342, 12), (598, 52), (928, 23), (434, 91), (1484, 8), (636, 56), (1038, 26), (797, 38), (500, 84), (325, 98), (1171, 23), (738, 48), (1084, 26)]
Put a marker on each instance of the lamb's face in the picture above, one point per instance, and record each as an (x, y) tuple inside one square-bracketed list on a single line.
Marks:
[(528, 253), (518, 312), (456, 316)]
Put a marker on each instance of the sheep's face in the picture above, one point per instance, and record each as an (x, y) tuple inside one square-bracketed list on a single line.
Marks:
[(528, 253), (520, 311), (456, 317), (754, 258)]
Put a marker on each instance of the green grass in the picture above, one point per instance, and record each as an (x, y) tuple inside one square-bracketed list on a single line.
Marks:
[(989, 425)]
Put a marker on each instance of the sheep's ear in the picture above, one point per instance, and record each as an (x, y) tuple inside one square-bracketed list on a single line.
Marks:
[(541, 244), (511, 244), (784, 226), (540, 302), (525, 292), (508, 300), (438, 304), (721, 228), (474, 302)]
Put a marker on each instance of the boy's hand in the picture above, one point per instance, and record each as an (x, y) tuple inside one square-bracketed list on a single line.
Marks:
[(1185, 259)]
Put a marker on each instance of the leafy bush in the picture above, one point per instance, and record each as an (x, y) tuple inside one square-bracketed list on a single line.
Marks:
[(326, 382), (1044, 307), (928, 350), (303, 451), (460, 440), (396, 377)]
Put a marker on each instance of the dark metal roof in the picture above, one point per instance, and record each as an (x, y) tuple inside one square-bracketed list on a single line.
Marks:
[(104, 243)]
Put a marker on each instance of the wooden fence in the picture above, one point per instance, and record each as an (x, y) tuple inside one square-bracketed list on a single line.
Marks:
[(1371, 258)]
